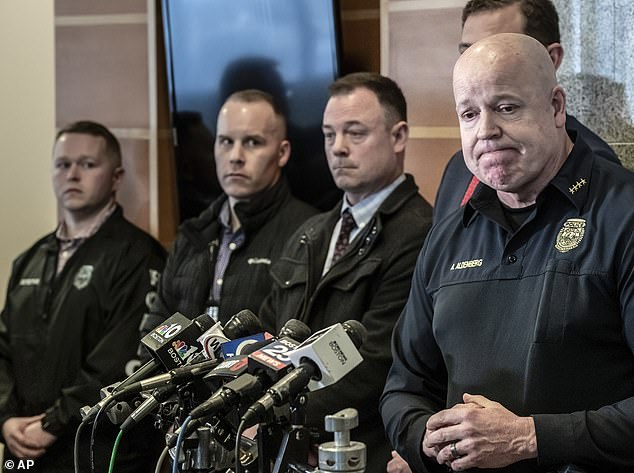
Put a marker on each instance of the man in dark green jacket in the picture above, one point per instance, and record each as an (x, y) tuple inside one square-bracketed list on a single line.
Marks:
[(73, 305), (221, 259), (327, 275)]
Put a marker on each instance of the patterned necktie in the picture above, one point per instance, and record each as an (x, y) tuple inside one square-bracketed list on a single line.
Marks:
[(347, 224)]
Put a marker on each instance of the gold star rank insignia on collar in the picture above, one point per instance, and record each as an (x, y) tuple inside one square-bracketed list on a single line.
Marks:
[(578, 185), (570, 234)]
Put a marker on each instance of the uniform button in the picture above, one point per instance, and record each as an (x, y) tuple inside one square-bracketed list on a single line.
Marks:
[(232, 246), (287, 283), (219, 282), (511, 259)]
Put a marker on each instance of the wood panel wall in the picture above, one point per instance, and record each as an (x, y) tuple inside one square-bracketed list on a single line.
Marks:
[(419, 46), (415, 42), (360, 35), (109, 68)]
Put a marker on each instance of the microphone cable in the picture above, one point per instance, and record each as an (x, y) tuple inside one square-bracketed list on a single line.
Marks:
[(103, 408), (161, 460), (179, 443), (114, 452), (241, 428), (76, 446)]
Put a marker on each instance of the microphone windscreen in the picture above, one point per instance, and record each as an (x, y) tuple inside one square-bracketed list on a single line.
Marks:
[(242, 324), (356, 331), (295, 329), (204, 322)]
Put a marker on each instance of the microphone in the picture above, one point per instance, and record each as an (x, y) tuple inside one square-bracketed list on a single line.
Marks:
[(271, 361), (295, 329), (146, 407), (243, 323), (240, 325), (264, 356), (232, 393), (174, 341), (249, 374), (244, 345), (253, 373), (335, 351), (322, 360), (243, 388), (170, 344), (173, 377)]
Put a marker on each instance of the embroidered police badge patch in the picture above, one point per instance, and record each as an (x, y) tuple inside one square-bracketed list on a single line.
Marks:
[(82, 278), (570, 234)]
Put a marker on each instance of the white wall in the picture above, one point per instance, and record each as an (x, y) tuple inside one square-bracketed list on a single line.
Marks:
[(27, 126)]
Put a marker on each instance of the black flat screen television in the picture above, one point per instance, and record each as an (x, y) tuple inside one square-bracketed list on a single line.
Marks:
[(216, 47)]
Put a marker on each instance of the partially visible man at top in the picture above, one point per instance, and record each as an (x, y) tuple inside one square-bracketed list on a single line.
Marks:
[(356, 261), (221, 259), (74, 302), (513, 348), (482, 18)]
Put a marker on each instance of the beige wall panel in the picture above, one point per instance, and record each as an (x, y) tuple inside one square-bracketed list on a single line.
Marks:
[(423, 49), (426, 160), (27, 127), (134, 194), (102, 74), (99, 7)]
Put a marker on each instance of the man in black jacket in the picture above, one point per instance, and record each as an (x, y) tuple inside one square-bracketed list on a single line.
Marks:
[(513, 346), (356, 261), (221, 259), (73, 305), (482, 18)]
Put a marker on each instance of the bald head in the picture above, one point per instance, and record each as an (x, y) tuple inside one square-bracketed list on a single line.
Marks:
[(508, 55), (512, 115)]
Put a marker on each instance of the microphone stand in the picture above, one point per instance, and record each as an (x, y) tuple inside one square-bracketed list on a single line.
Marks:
[(293, 439), (342, 454)]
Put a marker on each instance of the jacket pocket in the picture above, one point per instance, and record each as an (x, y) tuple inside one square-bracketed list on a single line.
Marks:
[(551, 312), (353, 277), (289, 273)]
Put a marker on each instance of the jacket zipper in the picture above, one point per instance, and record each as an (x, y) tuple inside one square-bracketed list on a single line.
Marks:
[(304, 240)]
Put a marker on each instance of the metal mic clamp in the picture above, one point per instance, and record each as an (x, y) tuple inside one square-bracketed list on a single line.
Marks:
[(117, 412), (342, 455)]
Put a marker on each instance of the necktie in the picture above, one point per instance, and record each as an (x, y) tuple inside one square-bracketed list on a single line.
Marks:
[(347, 224)]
